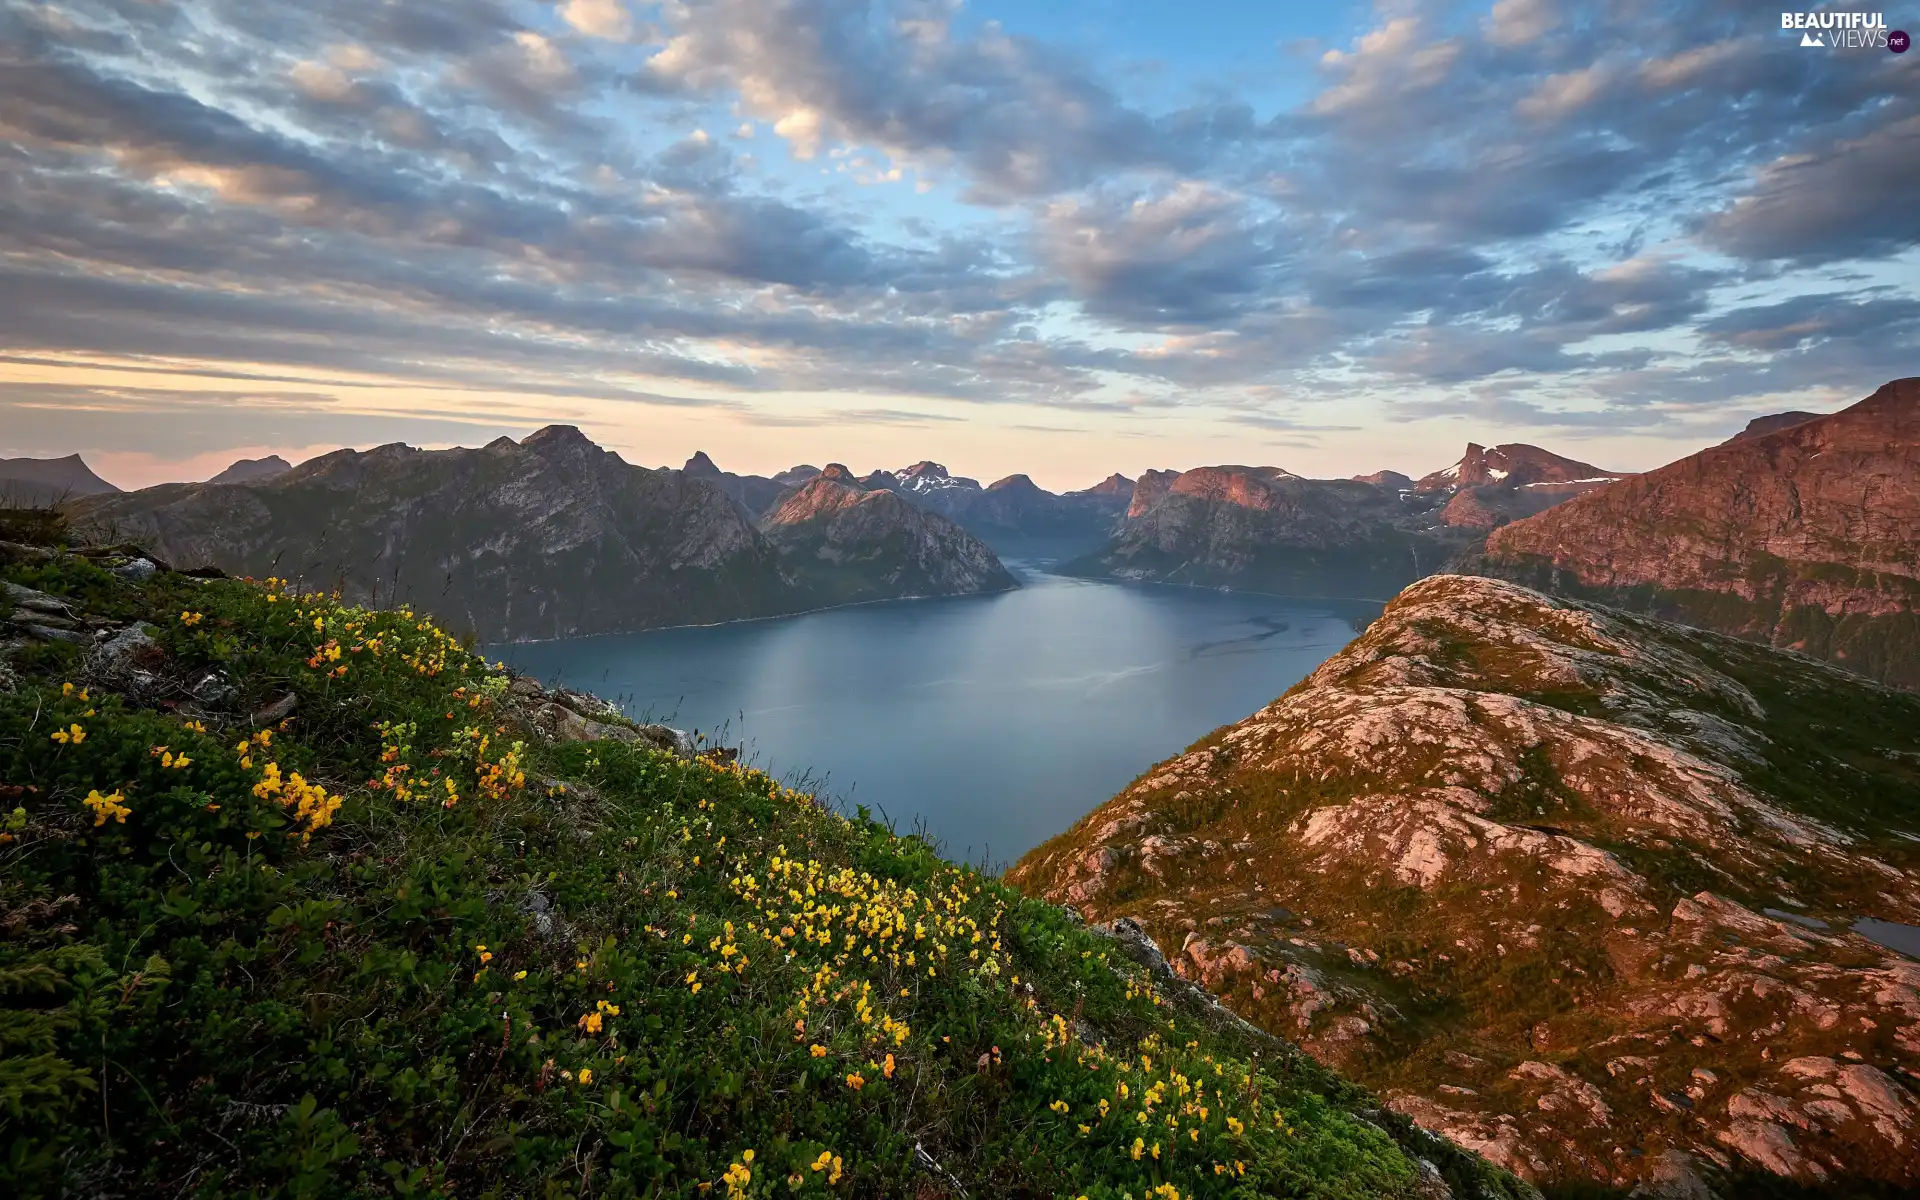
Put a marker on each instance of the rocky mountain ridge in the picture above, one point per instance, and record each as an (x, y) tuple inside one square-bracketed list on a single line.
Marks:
[(1267, 529), (1488, 487), (1570, 885), (253, 470), (1807, 536), (548, 537), (853, 543)]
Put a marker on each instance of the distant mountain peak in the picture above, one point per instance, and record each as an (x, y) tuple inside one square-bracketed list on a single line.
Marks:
[(794, 476), (702, 466), (1115, 484), (839, 473), (1514, 464), (1015, 483), (252, 470), (47, 480), (928, 476), (557, 436), (1392, 479)]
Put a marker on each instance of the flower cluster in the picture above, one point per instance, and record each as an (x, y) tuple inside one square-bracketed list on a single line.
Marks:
[(108, 806)]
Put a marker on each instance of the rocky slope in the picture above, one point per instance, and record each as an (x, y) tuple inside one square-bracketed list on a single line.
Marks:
[(548, 537), (1265, 529), (755, 494), (1489, 487), (1514, 464), (1808, 536), (1572, 886), (253, 470), (1762, 426), (28, 482), (850, 542)]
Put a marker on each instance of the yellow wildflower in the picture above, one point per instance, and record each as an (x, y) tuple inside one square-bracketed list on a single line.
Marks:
[(106, 806)]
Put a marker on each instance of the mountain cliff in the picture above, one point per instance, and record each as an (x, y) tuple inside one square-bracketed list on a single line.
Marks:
[(1487, 488), (1576, 887), (1807, 536), (1265, 529), (549, 537), (851, 542), (29, 482)]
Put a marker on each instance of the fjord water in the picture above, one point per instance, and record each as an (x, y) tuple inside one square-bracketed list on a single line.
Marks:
[(997, 721)]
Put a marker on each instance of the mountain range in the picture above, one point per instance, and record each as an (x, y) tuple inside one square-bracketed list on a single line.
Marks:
[(544, 538), (1802, 531), (850, 542)]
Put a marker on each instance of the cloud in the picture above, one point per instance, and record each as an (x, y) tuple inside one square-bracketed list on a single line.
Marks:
[(1807, 321), (1850, 198), (1018, 118), (1557, 208), (1184, 254), (599, 18)]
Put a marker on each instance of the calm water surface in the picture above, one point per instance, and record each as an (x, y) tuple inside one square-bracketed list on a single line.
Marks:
[(997, 721)]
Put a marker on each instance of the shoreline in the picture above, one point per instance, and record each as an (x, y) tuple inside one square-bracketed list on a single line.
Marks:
[(1109, 580)]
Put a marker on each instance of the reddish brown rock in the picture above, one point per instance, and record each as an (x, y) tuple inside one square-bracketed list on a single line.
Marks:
[(1807, 537), (1558, 882)]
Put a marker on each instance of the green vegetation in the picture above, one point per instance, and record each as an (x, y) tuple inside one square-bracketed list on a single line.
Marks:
[(390, 944)]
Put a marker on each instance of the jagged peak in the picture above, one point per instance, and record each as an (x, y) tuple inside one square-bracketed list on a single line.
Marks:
[(838, 473), (702, 466), (559, 437)]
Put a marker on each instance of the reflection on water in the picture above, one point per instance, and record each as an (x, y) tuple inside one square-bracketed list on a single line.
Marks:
[(996, 720), (1891, 934)]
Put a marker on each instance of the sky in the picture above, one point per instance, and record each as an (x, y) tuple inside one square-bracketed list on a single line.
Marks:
[(1061, 238)]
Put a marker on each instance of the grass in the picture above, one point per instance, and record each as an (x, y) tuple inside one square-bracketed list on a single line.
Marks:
[(393, 946)]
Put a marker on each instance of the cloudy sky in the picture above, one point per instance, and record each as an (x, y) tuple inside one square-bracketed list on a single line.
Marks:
[(1062, 238)]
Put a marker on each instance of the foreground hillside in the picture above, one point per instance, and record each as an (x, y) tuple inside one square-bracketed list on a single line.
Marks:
[(1800, 532), (303, 899), (1573, 886)]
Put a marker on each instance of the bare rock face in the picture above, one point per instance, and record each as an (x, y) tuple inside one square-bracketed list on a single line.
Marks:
[(1807, 536), (1490, 487), (856, 543), (548, 537), (1515, 464), (1264, 528), (1571, 886)]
